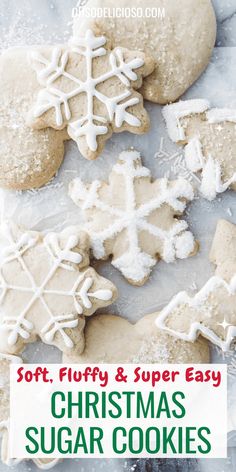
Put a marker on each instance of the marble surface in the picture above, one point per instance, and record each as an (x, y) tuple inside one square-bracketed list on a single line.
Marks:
[(17, 18), (226, 22), (33, 21)]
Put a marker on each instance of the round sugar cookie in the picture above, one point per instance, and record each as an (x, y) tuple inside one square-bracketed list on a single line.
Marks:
[(180, 36), (28, 158)]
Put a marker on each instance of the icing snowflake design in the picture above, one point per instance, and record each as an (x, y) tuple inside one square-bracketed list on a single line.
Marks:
[(206, 142), (43, 290), (130, 208), (205, 313), (64, 83)]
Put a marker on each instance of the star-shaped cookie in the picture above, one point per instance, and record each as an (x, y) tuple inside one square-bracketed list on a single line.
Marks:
[(47, 288), (212, 311), (134, 219)]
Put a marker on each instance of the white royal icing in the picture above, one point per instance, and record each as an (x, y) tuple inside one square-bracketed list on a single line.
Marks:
[(134, 263), (211, 183), (174, 112), (193, 155), (219, 115), (197, 302), (80, 292), (51, 96)]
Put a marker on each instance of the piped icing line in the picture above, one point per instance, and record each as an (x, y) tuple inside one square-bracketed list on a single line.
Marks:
[(211, 181), (134, 263), (197, 302), (219, 115), (174, 112), (81, 292), (193, 155), (50, 97)]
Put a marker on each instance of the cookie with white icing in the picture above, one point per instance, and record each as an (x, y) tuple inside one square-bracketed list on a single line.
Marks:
[(210, 142), (5, 362), (112, 339), (89, 89), (180, 36), (47, 288), (28, 158), (134, 219), (211, 312)]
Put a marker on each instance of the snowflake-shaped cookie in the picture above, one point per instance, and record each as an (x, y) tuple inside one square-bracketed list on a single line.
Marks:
[(5, 362), (90, 89), (47, 287), (210, 142), (211, 312), (134, 219)]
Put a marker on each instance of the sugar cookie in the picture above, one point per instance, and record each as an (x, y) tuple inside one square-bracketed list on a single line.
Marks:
[(28, 158), (211, 312), (180, 35), (47, 288), (91, 90), (112, 339), (210, 142), (134, 219)]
